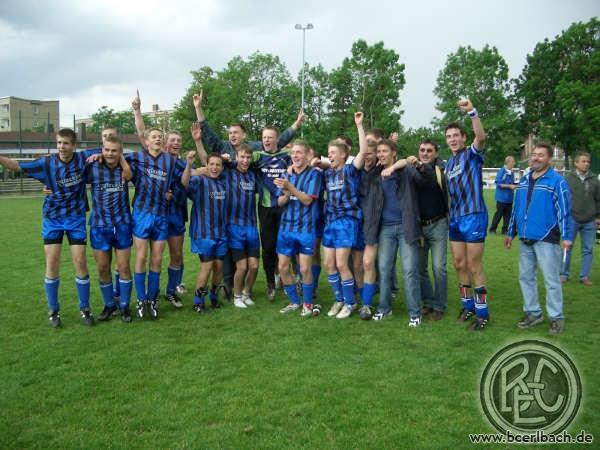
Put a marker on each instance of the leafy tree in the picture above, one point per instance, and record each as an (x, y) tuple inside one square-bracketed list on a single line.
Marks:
[(482, 76), (410, 139), (559, 89)]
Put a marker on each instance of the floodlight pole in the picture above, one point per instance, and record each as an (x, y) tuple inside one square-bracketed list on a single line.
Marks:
[(308, 26)]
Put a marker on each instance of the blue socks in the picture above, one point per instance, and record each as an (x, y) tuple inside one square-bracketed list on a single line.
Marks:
[(481, 307), (173, 279), (199, 295), (336, 286), (348, 290), (292, 293), (153, 286), (368, 293), (83, 291), (125, 286), (467, 300), (307, 293), (139, 279), (51, 285), (107, 294), (316, 272), (116, 285)]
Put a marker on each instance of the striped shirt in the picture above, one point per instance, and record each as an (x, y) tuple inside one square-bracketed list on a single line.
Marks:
[(209, 207), (342, 188), (65, 180), (269, 166), (153, 177), (178, 206), (241, 192), (296, 216), (465, 182), (110, 195)]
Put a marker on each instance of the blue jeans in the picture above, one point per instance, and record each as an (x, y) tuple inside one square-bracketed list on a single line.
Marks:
[(549, 258), (435, 239), (587, 230), (390, 240)]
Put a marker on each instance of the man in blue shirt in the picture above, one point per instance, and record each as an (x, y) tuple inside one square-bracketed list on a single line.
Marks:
[(541, 216), (505, 184)]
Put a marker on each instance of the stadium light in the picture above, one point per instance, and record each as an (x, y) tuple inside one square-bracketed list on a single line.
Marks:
[(308, 26)]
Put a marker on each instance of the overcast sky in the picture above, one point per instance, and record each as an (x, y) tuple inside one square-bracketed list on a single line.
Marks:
[(92, 53)]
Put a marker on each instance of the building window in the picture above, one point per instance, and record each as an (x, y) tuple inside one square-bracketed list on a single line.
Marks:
[(36, 109), (5, 108), (4, 124)]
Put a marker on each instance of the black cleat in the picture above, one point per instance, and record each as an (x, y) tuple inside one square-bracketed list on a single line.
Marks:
[(479, 324), (126, 315), (54, 318), (87, 318), (141, 309), (465, 315), (200, 308), (174, 300), (153, 309), (107, 313)]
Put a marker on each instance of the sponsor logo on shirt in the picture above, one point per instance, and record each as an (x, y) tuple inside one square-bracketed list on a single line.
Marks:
[(71, 181)]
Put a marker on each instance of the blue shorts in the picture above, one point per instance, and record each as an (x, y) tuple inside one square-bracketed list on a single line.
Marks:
[(175, 225), (210, 249), (53, 230), (359, 245), (469, 228), (290, 243), (107, 238), (342, 233), (242, 237), (149, 226)]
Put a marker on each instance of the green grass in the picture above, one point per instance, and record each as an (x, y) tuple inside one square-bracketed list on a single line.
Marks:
[(254, 379)]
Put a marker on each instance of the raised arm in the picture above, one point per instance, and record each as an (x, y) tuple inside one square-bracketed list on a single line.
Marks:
[(10, 163), (212, 140), (140, 127), (289, 134), (197, 99), (359, 160), (187, 172), (466, 106), (197, 137)]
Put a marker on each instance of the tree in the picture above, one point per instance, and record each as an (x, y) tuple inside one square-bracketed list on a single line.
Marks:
[(410, 139), (482, 76), (559, 89)]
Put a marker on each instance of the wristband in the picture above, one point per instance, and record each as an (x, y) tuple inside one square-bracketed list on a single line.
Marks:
[(473, 113)]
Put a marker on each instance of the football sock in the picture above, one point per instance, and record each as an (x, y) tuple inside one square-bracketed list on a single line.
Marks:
[(83, 291), (51, 285), (348, 290)]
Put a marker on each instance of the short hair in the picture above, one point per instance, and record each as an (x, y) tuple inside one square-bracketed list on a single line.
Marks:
[(115, 140), (545, 146), (429, 141), (581, 153), (340, 144), (302, 143), (238, 125), (345, 139), (175, 132), (377, 132), (150, 130), (272, 128), (68, 133), (391, 144), (214, 155), (109, 127), (243, 148), (455, 125), (509, 157)]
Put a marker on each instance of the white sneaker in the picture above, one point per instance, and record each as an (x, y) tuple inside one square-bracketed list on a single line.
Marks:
[(335, 309), (307, 310), (247, 299), (346, 311), (238, 302), (289, 308), (414, 322)]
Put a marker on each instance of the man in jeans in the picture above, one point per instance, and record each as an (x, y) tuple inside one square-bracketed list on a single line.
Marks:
[(505, 184), (585, 214), (433, 206), (541, 215)]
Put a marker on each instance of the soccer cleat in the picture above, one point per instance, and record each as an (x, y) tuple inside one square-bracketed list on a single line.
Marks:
[(271, 293), (307, 310), (199, 308), (380, 315), (530, 320), (557, 326), (153, 309), (316, 310), (87, 318), (414, 322), (54, 318), (335, 309), (479, 324), (238, 302), (365, 312), (346, 311), (107, 313), (117, 301), (140, 309), (289, 308), (465, 315), (180, 289), (126, 315), (247, 299), (174, 300)]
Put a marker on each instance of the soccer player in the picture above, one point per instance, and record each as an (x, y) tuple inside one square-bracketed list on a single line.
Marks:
[(207, 225), (110, 225), (154, 174), (468, 216), (344, 215), (63, 213), (505, 184), (298, 227)]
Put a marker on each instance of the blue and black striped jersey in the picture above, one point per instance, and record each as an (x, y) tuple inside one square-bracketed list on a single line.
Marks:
[(209, 207), (342, 188), (110, 195), (269, 166), (296, 217), (153, 177), (241, 192), (465, 182), (65, 180), (178, 206)]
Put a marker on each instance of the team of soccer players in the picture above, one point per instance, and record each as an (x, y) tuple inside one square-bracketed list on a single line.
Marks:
[(301, 200)]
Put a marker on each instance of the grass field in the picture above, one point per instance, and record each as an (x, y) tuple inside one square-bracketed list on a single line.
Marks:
[(251, 378)]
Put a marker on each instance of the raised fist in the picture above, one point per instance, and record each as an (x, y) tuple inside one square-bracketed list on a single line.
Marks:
[(358, 117), (465, 105)]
